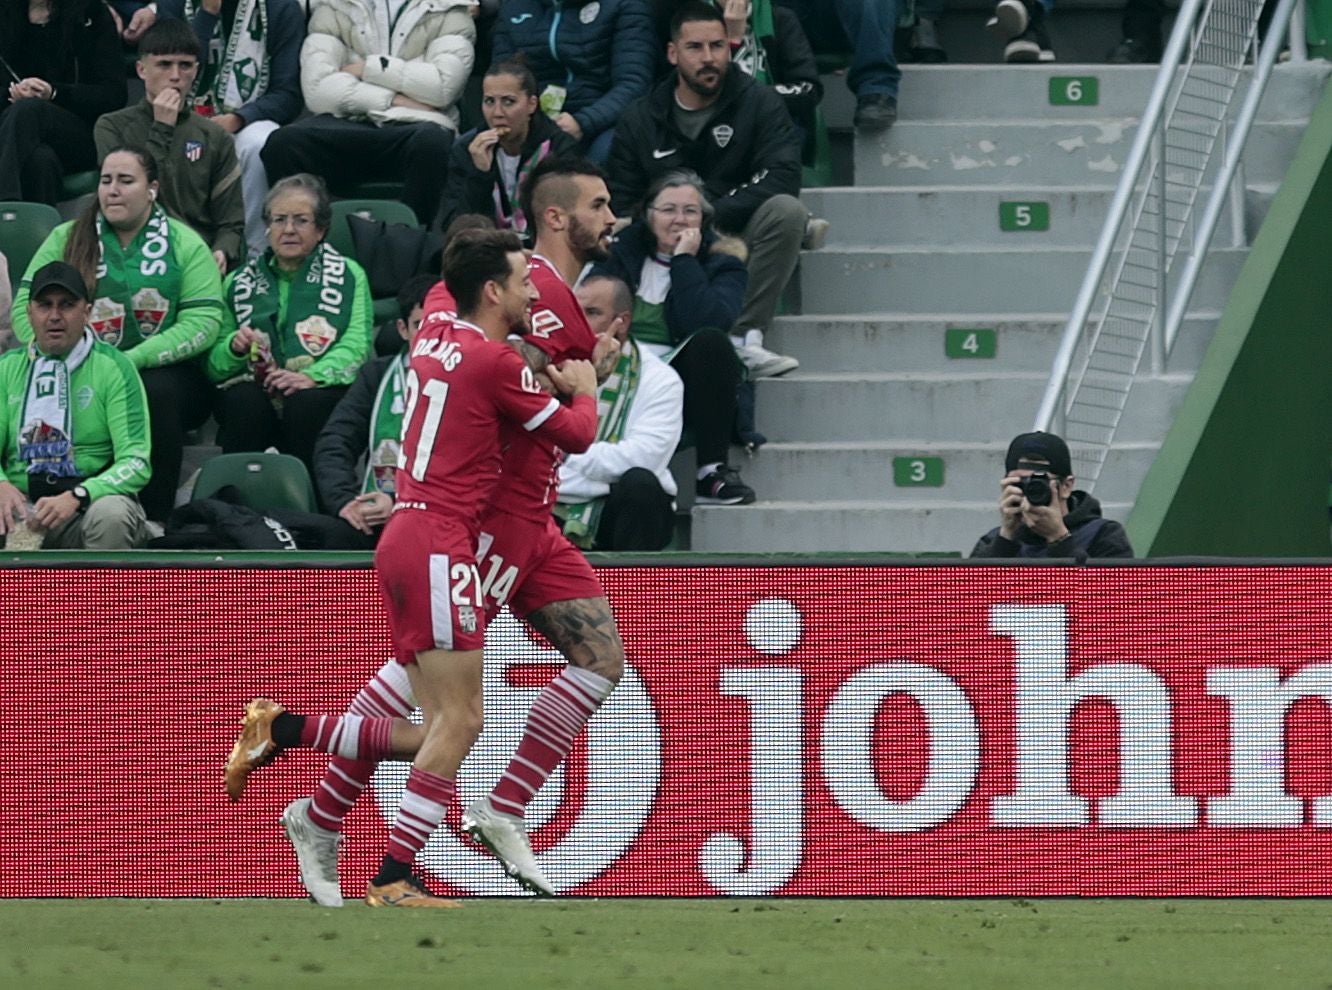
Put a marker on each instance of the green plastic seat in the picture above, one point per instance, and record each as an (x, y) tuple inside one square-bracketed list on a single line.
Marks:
[(819, 172), (23, 228), (79, 184), (389, 210), (264, 480)]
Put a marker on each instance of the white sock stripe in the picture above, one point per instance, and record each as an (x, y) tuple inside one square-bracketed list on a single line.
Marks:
[(587, 681), (556, 743), (345, 801), (339, 772), (520, 782), (568, 719), (393, 676), (530, 765), (554, 727), (347, 737), (509, 807)]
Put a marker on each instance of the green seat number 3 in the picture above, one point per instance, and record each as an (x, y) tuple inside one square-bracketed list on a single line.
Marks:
[(918, 472)]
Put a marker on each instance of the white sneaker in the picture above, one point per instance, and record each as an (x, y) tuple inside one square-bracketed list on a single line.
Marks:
[(506, 836), (316, 852), (816, 233), (763, 363)]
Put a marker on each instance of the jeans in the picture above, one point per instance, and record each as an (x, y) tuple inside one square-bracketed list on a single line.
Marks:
[(866, 28)]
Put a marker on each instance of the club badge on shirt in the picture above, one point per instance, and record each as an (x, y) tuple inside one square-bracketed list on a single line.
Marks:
[(150, 309), (107, 320), (315, 334), (194, 150)]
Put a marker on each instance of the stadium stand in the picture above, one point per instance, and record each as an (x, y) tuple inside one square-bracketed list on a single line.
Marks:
[(262, 481)]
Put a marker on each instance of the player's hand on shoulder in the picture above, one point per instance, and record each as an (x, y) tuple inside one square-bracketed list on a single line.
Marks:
[(573, 377)]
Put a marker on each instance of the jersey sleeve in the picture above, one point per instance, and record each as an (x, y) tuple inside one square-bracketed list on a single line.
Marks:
[(559, 328), (523, 401)]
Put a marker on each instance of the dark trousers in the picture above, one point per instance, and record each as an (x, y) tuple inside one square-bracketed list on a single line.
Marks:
[(180, 398), (710, 370), (248, 419), (348, 152), (638, 514), (39, 143)]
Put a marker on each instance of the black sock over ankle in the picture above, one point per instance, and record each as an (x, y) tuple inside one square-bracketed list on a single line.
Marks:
[(287, 728), (391, 871)]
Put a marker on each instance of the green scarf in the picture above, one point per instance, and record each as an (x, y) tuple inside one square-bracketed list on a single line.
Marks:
[(234, 75), (45, 439), (319, 305), (614, 398), (386, 430), (752, 57), (144, 276)]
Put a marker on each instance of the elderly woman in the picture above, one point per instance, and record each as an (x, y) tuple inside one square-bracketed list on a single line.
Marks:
[(689, 285), (157, 297), (487, 166), (63, 69), (296, 331)]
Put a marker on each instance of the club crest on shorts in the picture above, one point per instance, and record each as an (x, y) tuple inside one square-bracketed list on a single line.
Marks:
[(467, 618), (316, 334), (107, 320), (545, 323), (193, 150), (722, 134), (150, 309)]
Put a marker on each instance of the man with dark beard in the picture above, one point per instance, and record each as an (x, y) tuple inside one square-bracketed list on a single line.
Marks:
[(738, 136)]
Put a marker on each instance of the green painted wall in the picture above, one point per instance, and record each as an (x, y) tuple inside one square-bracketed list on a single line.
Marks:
[(1244, 470)]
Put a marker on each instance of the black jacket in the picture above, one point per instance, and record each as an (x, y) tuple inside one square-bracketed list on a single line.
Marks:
[(344, 442), (748, 152), (87, 70), (707, 289), (1089, 535), (469, 190), (791, 63)]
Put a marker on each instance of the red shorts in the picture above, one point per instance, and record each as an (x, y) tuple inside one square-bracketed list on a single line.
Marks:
[(427, 575), (528, 564)]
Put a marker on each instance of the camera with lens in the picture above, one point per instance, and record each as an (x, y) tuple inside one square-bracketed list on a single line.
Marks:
[(1036, 488)]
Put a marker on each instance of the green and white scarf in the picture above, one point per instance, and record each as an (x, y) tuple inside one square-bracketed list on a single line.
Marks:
[(137, 286), (44, 438), (614, 398), (236, 73), (319, 305), (386, 430), (752, 57)]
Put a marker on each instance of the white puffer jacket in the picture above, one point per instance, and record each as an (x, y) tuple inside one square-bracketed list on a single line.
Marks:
[(427, 56)]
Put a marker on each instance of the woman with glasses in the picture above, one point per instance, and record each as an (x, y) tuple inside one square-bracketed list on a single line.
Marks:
[(296, 330), (689, 286), (157, 296)]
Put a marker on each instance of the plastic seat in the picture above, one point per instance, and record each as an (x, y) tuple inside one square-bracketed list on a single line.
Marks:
[(79, 184), (23, 228), (818, 173), (388, 210), (264, 480)]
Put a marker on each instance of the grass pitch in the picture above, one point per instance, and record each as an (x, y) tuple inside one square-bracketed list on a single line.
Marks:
[(732, 943)]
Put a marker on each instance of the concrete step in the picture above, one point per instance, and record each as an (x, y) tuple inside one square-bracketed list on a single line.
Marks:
[(978, 407), (851, 526), (904, 342), (878, 216), (1030, 277), (1089, 150), (983, 92), (803, 470)]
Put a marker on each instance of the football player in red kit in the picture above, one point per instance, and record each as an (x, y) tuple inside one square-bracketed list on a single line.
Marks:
[(465, 384), (524, 561)]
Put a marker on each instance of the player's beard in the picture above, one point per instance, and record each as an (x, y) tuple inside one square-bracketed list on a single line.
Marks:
[(705, 90), (586, 241)]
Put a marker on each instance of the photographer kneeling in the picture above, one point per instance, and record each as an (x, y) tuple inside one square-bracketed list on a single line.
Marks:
[(1040, 515)]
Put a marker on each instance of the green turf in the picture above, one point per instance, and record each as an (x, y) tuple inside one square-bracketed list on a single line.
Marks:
[(724, 943)]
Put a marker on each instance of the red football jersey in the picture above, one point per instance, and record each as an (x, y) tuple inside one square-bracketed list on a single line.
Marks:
[(439, 305), (460, 388), (559, 328)]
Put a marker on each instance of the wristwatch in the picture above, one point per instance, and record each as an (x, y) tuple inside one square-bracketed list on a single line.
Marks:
[(81, 493)]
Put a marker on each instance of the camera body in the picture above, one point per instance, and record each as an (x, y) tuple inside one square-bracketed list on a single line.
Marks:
[(1036, 488)]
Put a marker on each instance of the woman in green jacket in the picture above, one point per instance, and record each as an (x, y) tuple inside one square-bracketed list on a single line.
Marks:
[(297, 329), (157, 298)]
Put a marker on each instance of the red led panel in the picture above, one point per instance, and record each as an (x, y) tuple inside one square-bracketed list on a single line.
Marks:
[(781, 730)]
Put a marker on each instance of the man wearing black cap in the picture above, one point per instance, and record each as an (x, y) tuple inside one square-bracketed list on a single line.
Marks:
[(1040, 515), (74, 434)]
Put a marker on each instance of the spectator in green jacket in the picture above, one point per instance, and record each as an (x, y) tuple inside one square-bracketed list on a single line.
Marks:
[(71, 467), (297, 329), (157, 297)]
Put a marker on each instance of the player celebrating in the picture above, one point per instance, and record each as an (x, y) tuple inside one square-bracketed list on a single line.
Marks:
[(463, 383), (524, 559)]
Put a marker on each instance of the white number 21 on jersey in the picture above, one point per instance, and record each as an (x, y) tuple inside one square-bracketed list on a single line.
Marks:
[(435, 392)]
